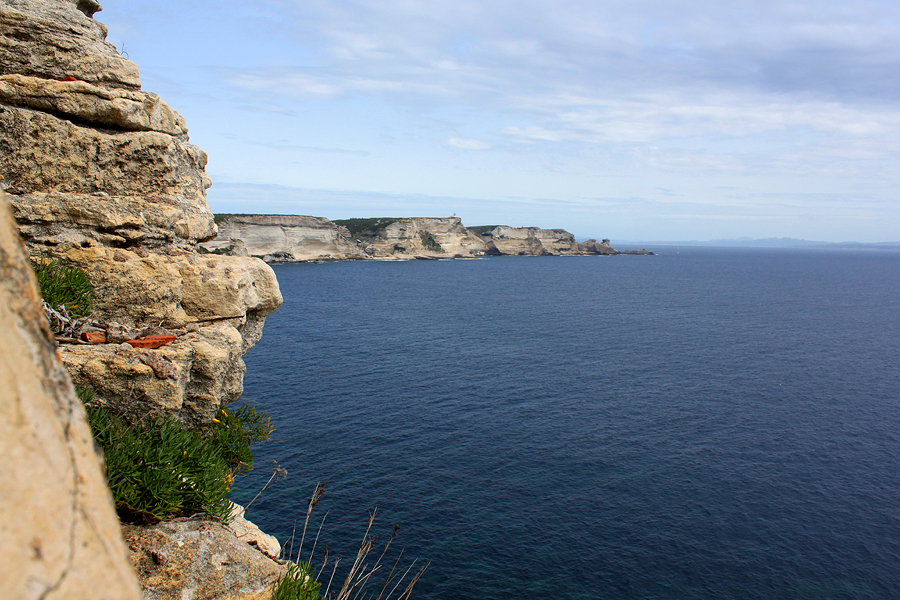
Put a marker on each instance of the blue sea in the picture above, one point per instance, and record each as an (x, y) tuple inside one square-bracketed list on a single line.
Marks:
[(701, 424)]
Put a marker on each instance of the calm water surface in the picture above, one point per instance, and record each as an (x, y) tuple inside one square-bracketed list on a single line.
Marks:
[(705, 423)]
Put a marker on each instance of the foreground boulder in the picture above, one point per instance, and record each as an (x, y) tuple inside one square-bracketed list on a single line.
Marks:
[(59, 535), (200, 560)]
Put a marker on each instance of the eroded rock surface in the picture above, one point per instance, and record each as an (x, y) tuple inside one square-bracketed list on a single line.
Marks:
[(289, 238), (59, 535), (200, 560), (102, 176), (285, 238), (423, 237), (56, 39), (247, 531), (88, 156), (86, 184)]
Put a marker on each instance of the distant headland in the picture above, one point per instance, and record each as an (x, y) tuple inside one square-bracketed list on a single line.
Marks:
[(293, 238)]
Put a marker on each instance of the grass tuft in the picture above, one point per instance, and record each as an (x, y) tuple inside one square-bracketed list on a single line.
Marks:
[(297, 584), (64, 289)]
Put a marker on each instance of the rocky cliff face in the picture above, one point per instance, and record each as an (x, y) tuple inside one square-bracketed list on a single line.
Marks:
[(523, 241), (288, 238), (284, 238), (101, 175), (422, 237), (59, 535)]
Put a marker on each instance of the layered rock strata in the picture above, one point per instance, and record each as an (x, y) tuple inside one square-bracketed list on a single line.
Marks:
[(522, 241), (102, 176), (290, 238), (421, 238), (284, 238), (59, 535)]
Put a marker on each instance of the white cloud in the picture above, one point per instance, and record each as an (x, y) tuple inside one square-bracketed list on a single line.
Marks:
[(577, 97), (469, 144)]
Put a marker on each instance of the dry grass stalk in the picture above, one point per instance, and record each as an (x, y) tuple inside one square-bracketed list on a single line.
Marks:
[(360, 573)]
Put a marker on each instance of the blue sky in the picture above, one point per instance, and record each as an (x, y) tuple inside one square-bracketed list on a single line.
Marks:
[(636, 120)]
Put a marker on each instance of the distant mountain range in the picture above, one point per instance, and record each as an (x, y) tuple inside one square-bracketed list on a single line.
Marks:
[(746, 242)]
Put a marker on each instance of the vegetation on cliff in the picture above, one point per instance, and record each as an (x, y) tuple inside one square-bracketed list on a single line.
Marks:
[(67, 291), (361, 226), (158, 469), (429, 242)]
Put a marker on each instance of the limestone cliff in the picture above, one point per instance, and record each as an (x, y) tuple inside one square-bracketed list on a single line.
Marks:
[(523, 241), (102, 175), (284, 238), (421, 238), (289, 238), (59, 535)]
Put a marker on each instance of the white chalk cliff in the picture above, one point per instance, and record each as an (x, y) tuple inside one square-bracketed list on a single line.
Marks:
[(291, 238)]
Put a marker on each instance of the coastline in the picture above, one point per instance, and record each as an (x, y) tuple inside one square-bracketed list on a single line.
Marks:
[(293, 238)]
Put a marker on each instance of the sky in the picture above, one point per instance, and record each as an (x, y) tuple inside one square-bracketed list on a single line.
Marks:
[(628, 120)]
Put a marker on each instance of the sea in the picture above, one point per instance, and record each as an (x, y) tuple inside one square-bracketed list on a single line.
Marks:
[(705, 423)]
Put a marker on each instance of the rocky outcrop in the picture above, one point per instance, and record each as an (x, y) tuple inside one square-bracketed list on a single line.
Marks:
[(503, 240), (201, 560), (102, 176), (248, 532), (59, 535), (279, 238), (290, 238), (89, 157), (58, 39), (594, 247), (83, 183), (421, 238)]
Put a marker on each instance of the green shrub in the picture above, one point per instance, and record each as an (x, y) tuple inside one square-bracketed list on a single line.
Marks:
[(297, 584), (429, 242), (67, 287), (158, 469), (482, 229), (363, 226), (220, 218), (234, 433)]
